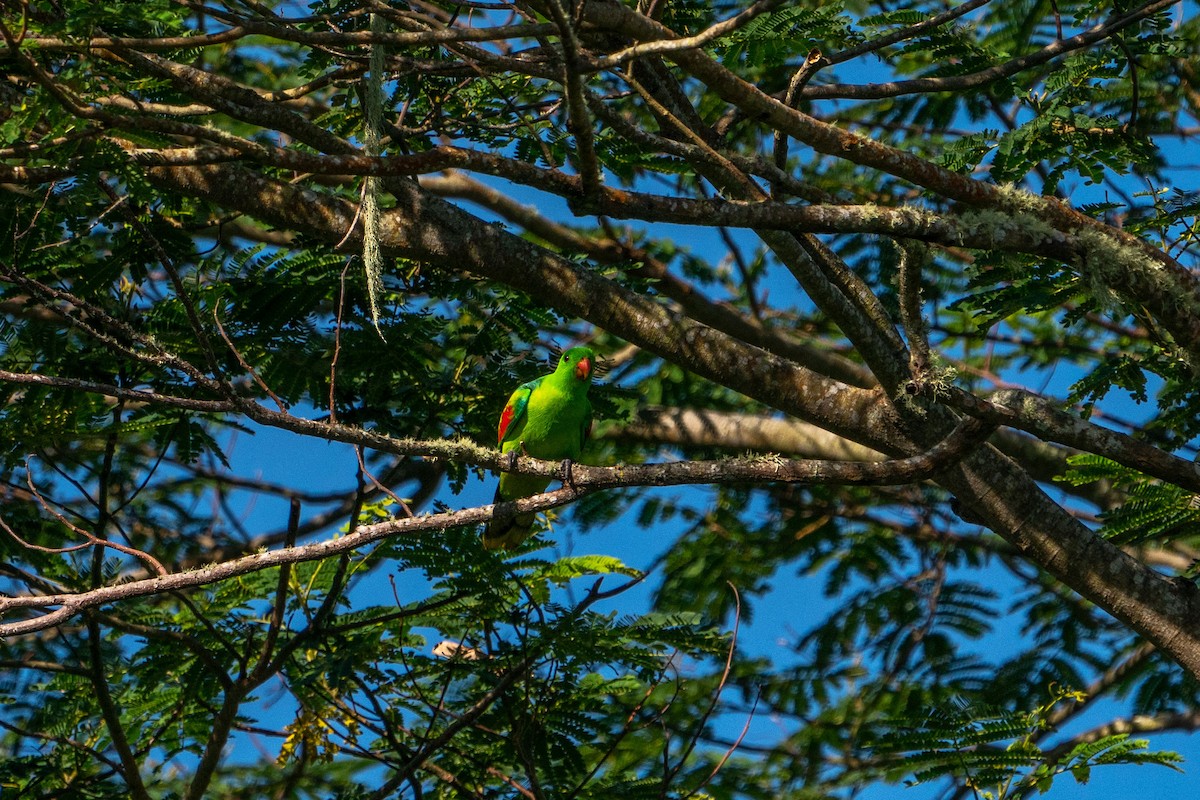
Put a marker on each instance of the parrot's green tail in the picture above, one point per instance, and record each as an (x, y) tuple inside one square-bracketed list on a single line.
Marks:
[(505, 533)]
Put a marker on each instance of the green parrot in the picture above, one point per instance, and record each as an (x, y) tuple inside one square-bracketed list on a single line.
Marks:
[(547, 418)]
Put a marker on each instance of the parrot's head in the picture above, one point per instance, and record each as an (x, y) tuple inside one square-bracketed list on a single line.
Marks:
[(580, 361)]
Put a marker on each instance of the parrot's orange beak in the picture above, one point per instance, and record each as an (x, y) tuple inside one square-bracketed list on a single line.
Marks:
[(583, 370)]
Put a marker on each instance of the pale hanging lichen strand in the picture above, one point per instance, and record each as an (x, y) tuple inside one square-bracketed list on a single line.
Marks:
[(371, 219)]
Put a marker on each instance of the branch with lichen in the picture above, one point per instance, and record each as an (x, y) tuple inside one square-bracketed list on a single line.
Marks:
[(582, 480)]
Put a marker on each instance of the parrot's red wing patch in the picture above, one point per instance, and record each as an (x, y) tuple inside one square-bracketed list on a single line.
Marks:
[(513, 411), (506, 419)]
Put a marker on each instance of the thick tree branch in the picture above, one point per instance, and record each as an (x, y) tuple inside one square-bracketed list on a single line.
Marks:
[(585, 479), (705, 428), (1042, 421), (246, 26), (1028, 412), (1018, 232), (795, 438)]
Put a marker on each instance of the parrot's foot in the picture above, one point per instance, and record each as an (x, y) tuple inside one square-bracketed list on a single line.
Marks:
[(568, 476), (513, 455)]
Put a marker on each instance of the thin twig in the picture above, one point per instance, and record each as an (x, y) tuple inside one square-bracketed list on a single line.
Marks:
[(716, 698), (92, 540), (251, 371)]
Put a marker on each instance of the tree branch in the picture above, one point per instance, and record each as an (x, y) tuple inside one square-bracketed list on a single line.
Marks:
[(586, 479)]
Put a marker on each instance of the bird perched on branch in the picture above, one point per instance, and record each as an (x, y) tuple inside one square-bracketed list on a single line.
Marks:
[(548, 418)]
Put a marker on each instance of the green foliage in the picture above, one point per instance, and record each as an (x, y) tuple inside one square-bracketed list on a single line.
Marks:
[(996, 753), (768, 40), (148, 327), (1152, 511), (1018, 286), (966, 153)]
